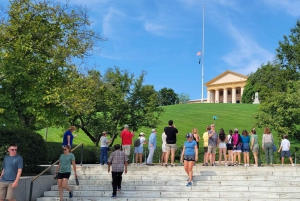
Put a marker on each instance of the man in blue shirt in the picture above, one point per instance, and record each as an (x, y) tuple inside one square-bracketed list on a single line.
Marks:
[(11, 172), (151, 147)]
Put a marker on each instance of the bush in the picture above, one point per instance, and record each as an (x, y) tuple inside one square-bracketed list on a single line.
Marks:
[(31, 147)]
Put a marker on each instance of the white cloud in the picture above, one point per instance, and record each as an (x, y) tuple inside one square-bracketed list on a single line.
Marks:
[(247, 56), (290, 6), (154, 28), (109, 20)]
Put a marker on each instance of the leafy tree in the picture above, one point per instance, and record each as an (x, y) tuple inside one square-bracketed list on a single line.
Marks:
[(183, 98), (281, 111), (167, 96), (40, 42), (123, 99), (267, 79)]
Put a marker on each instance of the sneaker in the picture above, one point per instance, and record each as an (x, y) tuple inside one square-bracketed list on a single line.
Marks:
[(189, 184), (226, 164), (70, 194), (293, 164), (166, 165), (240, 164), (283, 165), (206, 164), (105, 164), (114, 197), (172, 165), (119, 189), (245, 165), (255, 165)]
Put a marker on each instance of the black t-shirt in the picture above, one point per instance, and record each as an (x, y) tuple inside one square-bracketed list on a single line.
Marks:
[(171, 134)]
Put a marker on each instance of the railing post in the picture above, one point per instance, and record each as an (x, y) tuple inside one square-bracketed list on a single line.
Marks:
[(30, 194), (81, 159)]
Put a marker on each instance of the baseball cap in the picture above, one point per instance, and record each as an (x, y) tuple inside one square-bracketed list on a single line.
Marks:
[(142, 133), (236, 129), (126, 126), (189, 135), (153, 130)]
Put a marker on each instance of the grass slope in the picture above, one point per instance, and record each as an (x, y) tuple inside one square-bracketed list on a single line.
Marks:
[(186, 117)]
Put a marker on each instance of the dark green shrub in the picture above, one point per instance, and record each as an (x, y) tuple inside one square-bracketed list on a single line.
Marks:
[(31, 147)]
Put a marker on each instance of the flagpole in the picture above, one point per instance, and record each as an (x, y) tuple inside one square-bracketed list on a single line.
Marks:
[(202, 53)]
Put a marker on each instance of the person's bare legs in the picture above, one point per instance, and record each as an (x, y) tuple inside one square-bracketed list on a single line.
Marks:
[(234, 158), (167, 157), (255, 158), (239, 157), (205, 158), (220, 155), (245, 158), (291, 160), (162, 158), (60, 189), (224, 153), (190, 170), (172, 156), (141, 158), (248, 158), (136, 158)]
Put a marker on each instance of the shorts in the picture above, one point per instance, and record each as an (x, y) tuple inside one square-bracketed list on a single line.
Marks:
[(189, 157), (246, 147), (222, 145), (126, 149), (65, 175), (170, 147), (229, 147), (285, 153), (255, 148), (6, 190), (163, 148), (138, 150), (212, 150), (205, 149), (237, 149)]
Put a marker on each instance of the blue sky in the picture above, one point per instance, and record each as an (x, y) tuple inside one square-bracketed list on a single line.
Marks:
[(162, 37)]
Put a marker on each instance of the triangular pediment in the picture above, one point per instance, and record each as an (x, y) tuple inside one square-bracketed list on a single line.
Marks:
[(227, 77)]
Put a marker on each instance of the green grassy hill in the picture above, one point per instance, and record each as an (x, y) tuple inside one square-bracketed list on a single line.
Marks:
[(186, 117)]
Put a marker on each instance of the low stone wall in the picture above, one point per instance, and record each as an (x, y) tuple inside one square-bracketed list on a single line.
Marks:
[(40, 185)]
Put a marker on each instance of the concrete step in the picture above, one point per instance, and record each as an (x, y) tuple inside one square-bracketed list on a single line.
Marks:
[(196, 187), (180, 194)]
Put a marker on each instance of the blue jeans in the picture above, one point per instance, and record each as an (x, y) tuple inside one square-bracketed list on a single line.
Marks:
[(103, 155)]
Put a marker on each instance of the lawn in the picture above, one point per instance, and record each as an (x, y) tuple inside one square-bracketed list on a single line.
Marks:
[(186, 117)]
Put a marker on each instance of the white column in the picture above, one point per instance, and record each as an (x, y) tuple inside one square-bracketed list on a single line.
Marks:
[(225, 93), (217, 96), (212, 97), (242, 91), (208, 96), (233, 95)]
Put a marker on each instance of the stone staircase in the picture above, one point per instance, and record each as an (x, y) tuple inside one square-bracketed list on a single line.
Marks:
[(157, 183)]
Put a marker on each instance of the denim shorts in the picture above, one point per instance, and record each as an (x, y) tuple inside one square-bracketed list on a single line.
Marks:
[(189, 157), (246, 147), (138, 150), (285, 153), (238, 148)]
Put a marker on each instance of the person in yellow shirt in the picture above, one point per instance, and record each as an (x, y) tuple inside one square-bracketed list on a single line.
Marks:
[(205, 146)]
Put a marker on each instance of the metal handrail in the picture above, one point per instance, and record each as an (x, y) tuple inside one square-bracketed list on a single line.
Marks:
[(37, 176)]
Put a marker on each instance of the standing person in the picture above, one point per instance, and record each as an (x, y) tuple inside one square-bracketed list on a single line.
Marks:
[(205, 146), (63, 171), (267, 145), (229, 148), (126, 137), (255, 147), (285, 147), (237, 147), (11, 172), (212, 144), (163, 148), (246, 147), (118, 161), (190, 156), (196, 136), (171, 133), (139, 149), (104, 148), (68, 136), (151, 147), (222, 140)]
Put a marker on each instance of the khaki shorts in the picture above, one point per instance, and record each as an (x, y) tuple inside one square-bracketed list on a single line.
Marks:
[(126, 149), (170, 147), (6, 190), (212, 150)]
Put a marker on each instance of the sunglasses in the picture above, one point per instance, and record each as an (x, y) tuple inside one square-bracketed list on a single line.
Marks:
[(64, 149), (13, 149)]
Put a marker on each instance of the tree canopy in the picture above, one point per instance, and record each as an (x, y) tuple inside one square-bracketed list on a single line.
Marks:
[(167, 96)]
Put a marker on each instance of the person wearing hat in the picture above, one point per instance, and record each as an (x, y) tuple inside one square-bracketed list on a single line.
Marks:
[(237, 147), (139, 150), (68, 136), (189, 156), (126, 137), (151, 147)]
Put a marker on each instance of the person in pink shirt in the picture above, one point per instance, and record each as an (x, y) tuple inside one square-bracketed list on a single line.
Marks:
[(126, 137)]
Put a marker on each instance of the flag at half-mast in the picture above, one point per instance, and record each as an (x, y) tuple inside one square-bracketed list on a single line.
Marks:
[(199, 53)]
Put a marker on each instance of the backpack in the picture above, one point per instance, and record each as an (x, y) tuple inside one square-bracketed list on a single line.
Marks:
[(137, 142)]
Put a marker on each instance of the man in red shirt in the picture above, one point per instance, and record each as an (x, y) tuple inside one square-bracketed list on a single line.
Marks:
[(126, 137)]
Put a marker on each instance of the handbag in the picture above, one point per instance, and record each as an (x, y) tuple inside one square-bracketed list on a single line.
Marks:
[(274, 148)]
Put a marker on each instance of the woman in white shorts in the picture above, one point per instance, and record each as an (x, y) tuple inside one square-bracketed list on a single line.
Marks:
[(222, 140), (163, 147)]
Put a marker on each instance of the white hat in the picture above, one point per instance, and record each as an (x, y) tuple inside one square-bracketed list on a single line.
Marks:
[(153, 130), (142, 133)]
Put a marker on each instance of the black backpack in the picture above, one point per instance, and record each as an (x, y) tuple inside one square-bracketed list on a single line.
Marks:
[(137, 142)]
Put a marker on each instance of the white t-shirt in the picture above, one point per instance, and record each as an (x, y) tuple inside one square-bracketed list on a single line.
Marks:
[(229, 137), (285, 144), (164, 138), (104, 141), (142, 139)]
